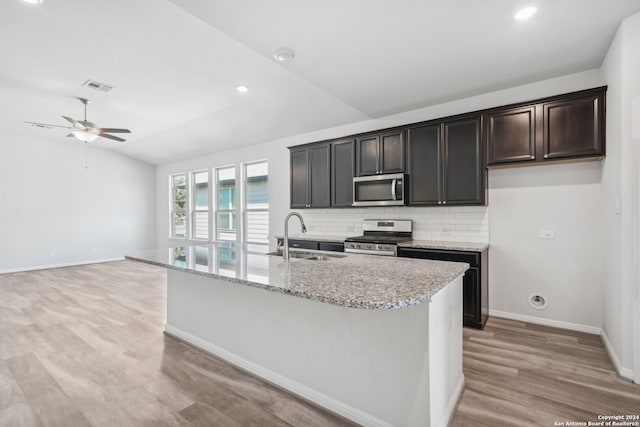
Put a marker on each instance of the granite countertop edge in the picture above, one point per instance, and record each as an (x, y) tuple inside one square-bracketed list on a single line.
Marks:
[(444, 279)]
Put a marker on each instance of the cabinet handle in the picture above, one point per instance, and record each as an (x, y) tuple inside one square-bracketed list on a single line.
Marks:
[(532, 157), (444, 203), (439, 202), (546, 156)]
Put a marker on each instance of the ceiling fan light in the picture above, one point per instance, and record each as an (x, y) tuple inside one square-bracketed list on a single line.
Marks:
[(84, 136), (525, 13)]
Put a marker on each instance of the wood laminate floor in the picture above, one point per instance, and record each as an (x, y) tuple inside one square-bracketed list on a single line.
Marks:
[(520, 374), (83, 346)]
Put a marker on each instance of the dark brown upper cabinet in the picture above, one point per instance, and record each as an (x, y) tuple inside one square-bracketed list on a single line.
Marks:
[(310, 176), (424, 163), (511, 135), (564, 127), (464, 180), (343, 156), (445, 163), (574, 127), (380, 153)]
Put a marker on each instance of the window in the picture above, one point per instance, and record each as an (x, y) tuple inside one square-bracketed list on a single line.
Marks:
[(200, 205), (256, 202), (179, 205), (229, 203), (226, 228)]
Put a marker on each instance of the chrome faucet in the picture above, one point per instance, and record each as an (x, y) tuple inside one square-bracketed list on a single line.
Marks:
[(303, 228)]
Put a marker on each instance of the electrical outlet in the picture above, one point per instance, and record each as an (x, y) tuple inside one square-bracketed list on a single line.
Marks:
[(547, 234), (50, 253)]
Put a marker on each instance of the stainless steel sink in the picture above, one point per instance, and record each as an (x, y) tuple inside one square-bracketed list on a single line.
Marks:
[(311, 256)]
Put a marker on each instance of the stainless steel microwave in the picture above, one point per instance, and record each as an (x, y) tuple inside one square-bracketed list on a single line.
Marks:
[(381, 190)]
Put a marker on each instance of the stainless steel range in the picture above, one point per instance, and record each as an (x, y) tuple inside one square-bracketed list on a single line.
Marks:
[(381, 237)]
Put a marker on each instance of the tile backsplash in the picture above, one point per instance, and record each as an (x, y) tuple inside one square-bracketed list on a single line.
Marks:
[(452, 224)]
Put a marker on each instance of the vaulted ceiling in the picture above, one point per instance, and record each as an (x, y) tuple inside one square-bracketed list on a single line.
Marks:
[(176, 64)]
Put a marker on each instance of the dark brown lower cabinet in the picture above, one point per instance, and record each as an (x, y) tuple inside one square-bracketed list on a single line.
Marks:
[(475, 294), (313, 244)]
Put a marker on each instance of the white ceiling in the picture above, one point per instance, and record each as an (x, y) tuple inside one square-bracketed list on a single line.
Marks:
[(176, 64)]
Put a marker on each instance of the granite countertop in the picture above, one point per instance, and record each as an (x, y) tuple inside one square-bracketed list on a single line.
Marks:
[(434, 244), (418, 244), (352, 280)]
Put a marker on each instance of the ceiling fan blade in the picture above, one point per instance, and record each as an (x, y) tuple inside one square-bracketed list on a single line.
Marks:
[(75, 123), (47, 125), (115, 138), (113, 130)]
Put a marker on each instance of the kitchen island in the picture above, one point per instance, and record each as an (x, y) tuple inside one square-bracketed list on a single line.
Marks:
[(377, 340)]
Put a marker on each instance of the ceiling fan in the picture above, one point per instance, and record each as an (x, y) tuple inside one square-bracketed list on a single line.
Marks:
[(84, 130)]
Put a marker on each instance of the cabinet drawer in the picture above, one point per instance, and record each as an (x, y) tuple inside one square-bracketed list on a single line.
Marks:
[(331, 246), (303, 244), (472, 258), (300, 244)]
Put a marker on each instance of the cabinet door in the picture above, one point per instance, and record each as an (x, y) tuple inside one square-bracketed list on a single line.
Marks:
[(511, 135), (423, 154), (342, 169), (471, 297), (574, 127), (463, 170), (392, 152), (319, 159), (367, 155), (299, 178)]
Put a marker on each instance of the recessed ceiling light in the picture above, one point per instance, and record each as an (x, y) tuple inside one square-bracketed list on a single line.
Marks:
[(242, 88), (33, 1), (525, 13), (283, 54)]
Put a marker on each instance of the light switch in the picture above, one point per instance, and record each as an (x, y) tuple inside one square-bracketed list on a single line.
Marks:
[(547, 234)]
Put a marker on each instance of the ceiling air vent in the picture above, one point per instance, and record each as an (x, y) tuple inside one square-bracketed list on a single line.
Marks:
[(102, 87)]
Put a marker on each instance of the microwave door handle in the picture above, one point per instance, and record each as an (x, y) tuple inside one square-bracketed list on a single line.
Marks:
[(393, 189)]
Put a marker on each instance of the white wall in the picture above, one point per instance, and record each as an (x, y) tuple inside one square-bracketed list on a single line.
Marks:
[(567, 270), (620, 70), (50, 202)]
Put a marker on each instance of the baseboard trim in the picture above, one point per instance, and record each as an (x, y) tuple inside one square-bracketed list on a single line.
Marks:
[(286, 383), (66, 264), (547, 322), (625, 373), (452, 406)]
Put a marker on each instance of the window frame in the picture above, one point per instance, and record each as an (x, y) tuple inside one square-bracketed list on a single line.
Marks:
[(173, 211), (192, 205), (217, 210), (245, 210)]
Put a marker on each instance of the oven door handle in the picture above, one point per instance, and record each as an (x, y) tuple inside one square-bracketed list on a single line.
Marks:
[(393, 189)]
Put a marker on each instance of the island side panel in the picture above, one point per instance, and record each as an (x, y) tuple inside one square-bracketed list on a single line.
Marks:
[(445, 352), (371, 366)]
